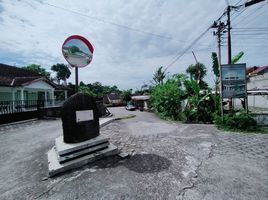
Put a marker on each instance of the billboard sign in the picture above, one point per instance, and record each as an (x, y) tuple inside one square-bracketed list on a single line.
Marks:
[(233, 79)]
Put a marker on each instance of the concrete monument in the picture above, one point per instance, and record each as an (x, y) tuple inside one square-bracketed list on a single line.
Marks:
[(80, 119)]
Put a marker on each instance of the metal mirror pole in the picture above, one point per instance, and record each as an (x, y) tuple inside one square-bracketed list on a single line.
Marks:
[(76, 79)]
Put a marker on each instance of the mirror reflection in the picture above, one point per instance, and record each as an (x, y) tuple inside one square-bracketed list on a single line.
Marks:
[(77, 53)]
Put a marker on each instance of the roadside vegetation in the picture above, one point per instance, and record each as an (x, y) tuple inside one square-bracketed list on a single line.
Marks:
[(188, 98)]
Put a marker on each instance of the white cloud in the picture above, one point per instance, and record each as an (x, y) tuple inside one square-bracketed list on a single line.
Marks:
[(33, 32)]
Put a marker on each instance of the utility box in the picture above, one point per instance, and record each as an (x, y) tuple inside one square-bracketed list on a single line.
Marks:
[(80, 118)]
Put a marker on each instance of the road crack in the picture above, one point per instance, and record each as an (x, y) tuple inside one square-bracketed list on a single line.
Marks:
[(192, 181), (194, 178)]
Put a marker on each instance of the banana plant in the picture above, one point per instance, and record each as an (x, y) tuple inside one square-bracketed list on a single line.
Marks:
[(237, 57)]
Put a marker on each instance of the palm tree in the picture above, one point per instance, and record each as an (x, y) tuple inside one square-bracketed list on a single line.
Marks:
[(159, 76), (62, 72), (197, 72)]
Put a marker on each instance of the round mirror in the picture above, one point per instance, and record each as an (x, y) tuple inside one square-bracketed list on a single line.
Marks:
[(77, 51)]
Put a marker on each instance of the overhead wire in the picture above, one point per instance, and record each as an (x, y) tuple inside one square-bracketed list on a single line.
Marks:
[(253, 12), (187, 48), (112, 23)]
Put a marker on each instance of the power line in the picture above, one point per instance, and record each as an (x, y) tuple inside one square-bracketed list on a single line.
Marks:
[(251, 28), (250, 13), (238, 2), (187, 48), (250, 34), (112, 23)]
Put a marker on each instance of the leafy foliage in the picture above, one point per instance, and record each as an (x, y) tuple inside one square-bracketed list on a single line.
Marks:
[(197, 72), (166, 100), (237, 57), (216, 70), (159, 75), (126, 95), (38, 69), (241, 121), (97, 89), (62, 72), (200, 107), (86, 90), (74, 49), (215, 64)]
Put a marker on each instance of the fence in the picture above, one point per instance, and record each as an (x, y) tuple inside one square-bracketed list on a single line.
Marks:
[(9, 107), (12, 111)]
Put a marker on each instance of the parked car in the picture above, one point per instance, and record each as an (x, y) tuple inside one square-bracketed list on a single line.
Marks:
[(130, 107)]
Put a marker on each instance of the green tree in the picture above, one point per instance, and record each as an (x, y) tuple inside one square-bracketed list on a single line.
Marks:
[(38, 69), (197, 72), (100, 90), (166, 99), (159, 76), (86, 90), (74, 49), (62, 72), (200, 106), (126, 95)]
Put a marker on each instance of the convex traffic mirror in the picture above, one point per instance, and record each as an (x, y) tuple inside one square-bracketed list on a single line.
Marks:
[(77, 51)]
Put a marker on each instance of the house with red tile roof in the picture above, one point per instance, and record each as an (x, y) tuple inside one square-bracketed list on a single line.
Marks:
[(17, 84)]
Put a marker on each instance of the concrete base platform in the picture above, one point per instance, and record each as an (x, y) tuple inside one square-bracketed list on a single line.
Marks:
[(63, 157), (66, 148), (55, 167)]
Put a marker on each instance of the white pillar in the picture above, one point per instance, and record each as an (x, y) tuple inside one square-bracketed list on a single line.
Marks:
[(22, 98), (45, 98), (52, 97), (22, 94), (13, 99), (65, 94), (145, 105)]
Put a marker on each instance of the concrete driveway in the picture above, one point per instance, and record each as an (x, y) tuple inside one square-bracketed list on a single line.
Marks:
[(168, 161)]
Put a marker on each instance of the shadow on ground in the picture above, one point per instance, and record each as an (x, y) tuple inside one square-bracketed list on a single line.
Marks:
[(140, 163), (147, 163)]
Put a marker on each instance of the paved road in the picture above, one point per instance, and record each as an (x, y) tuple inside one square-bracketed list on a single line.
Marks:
[(168, 161)]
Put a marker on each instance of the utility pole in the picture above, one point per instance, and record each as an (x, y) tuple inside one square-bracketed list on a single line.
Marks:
[(229, 35), (220, 30), (229, 46)]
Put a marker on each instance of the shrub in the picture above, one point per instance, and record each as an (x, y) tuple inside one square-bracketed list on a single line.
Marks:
[(201, 105), (241, 121), (166, 100)]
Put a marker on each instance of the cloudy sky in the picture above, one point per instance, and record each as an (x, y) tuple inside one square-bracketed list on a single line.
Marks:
[(131, 39)]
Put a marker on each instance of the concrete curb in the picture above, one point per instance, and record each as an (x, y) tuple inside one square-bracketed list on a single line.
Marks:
[(125, 117), (104, 121)]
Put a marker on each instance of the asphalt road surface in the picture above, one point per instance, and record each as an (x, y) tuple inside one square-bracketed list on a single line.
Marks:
[(167, 160)]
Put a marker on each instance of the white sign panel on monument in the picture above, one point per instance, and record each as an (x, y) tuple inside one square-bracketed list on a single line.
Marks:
[(84, 115)]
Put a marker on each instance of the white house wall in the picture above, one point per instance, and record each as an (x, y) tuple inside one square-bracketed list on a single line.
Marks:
[(258, 82), (259, 101), (30, 91), (39, 85)]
